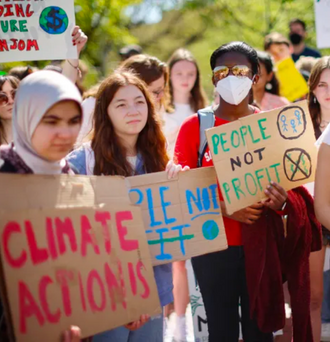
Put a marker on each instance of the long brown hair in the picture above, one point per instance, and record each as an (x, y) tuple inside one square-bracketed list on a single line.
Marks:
[(149, 69), (314, 79), (198, 99), (110, 154), (14, 82)]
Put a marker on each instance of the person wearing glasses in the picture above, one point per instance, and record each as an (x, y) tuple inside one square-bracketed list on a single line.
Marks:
[(8, 86), (222, 275), (154, 73)]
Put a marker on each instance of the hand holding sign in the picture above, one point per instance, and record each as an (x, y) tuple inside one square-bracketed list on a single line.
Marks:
[(277, 196), (72, 335), (79, 38), (138, 324), (248, 215)]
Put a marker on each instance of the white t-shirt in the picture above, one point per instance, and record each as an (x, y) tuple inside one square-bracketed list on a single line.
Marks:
[(173, 122), (324, 138)]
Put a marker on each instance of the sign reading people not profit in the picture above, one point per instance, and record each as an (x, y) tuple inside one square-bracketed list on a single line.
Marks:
[(69, 260), (36, 30), (253, 151), (182, 216)]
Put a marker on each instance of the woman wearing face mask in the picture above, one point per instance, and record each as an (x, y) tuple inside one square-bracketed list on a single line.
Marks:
[(46, 121), (8, 86), (229, 277), (127, 140), (319, 108), (266, 91)]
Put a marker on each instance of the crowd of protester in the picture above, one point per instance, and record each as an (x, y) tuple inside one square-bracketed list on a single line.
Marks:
[(145, 117)]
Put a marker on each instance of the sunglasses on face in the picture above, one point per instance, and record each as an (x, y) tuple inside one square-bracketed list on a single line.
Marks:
[(220, 72), (4, 99)]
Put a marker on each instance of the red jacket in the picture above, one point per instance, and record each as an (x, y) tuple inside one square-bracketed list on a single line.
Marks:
[(271, 258)]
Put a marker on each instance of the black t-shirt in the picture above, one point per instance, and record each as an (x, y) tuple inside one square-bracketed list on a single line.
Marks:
[(307, 52)]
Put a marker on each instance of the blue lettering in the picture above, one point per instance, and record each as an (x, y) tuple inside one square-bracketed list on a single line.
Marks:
[(164, 204), (214, 189), (162, 255), (206, 199), (181, 237), (153, 222), (190, 196), (140, 193)]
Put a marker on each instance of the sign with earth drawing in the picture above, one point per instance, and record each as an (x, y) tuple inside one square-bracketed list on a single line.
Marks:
[(251, 152), (36, 30)]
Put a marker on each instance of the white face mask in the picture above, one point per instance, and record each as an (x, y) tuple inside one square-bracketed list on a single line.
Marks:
[(234, 89)]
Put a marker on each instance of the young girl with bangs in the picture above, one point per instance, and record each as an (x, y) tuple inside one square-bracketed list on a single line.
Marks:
[(127, 141)]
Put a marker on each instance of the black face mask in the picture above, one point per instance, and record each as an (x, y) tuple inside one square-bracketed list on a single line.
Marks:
[(295, 38)]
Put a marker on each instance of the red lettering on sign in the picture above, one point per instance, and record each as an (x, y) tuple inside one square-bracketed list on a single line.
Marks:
[(82, 293), (62, 278), (3, 44), (93, 275), (103, 217), (9, 11), (19, 11), (126, 245), (132, 278), (28, 11), (12, 227), (38, 255), (65, 228), (87, 237), (51, 317), (114, 289), (32, 43), (51, 238), (144, 282), (28, 307)]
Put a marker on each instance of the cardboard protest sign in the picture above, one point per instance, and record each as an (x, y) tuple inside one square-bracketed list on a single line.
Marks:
[(292, 84), (69, 260), (182, 216), (270, 146), (322, 14), (36, 30)]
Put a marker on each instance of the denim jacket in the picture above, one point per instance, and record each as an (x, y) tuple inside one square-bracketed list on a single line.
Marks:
[(163, 273)]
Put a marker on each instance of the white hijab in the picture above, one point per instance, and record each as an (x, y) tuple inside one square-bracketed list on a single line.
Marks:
[(36, 94)]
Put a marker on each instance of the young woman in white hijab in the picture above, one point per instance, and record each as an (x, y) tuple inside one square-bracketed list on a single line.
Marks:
[(47, 118)]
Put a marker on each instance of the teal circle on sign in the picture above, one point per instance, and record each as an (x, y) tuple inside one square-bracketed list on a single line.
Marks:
[(210, 230), (54, 20)]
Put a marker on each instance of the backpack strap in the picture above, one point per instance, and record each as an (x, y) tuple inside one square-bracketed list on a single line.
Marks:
[(206, 120)]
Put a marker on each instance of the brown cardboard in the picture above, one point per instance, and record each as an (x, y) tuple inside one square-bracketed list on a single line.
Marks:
[(165, 206), (281, 148), (34, 199)]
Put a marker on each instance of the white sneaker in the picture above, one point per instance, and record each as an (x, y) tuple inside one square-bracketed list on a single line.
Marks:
[(180, 331), (325, 336)]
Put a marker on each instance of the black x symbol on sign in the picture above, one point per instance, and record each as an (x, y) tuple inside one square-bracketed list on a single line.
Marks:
[(297, 164)]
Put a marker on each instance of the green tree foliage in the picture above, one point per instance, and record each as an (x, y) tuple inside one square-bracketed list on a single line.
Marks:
[(203, 25)]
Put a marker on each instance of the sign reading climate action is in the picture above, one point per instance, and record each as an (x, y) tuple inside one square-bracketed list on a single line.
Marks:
[(73, 252), (253, 151), (36, 30)]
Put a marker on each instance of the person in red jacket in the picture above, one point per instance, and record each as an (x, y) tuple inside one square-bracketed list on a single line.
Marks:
[(221, 275)]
